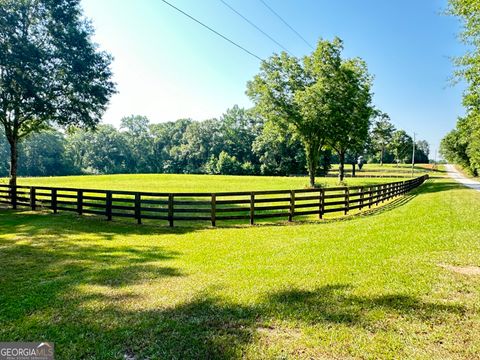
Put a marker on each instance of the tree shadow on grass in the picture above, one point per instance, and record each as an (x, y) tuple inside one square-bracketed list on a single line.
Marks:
[(27, 223), (436, 186), (208, 327), (43, 298), (47, 259)]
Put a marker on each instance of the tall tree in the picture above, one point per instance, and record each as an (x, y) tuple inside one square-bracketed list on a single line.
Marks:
[(401, 146), (422, 151), (140, 143), (276, 93), (352, 110), (239, 129), (50, 70), (316, 99), (453, 147), (382, 133), (463, 144)]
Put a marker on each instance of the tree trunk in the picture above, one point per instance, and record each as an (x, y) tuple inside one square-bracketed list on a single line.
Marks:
[(312, 160), (311, 174), (13, 171), (381, 156), (353, 170), (341, 173)]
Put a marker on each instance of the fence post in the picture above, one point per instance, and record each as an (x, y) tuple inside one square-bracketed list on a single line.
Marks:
[(214, 209), (138, 209), (361, 198), (170, 209), (252, 208), (291, 213), (33, 200), (108, 205), (347, 200), (370, 195), (321, 205), (54, 201), (79, 202)]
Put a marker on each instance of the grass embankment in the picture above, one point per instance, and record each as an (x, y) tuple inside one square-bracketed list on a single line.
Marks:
[(189, 183), (466, 172), (367, 287)]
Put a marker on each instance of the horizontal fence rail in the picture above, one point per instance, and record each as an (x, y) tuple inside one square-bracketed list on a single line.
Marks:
[(211, 207)]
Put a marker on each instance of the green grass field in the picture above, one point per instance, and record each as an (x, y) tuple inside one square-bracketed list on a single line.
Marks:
[(189, 183), (392, 169), (374, 286)]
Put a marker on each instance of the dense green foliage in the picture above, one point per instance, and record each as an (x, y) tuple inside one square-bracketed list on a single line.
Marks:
[(50, 73), (323, 100), (462, 145), (368, 287), (389, 145), (238, 143)]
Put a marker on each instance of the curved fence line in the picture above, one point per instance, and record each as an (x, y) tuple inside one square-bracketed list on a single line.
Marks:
[(212, 207)]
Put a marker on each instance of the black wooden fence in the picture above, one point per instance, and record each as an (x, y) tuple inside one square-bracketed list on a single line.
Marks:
[(211, 207)]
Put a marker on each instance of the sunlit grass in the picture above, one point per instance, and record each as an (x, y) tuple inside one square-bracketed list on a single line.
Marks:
[(367, 287), (189, 183)]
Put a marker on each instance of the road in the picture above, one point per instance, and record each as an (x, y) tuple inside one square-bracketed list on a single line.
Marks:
[(457, 176)]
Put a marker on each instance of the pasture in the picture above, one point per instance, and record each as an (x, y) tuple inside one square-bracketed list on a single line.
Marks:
[(383, 285), (81, 197), (191, 183)]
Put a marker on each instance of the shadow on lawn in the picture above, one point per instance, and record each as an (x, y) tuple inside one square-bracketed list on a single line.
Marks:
[(27, 223), (43, 264), (209, 328), (41, 298), (206, 327), (435, 186)]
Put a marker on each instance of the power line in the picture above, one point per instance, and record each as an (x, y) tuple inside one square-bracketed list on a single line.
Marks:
[(214, 31), (255, 26), (285, 22)]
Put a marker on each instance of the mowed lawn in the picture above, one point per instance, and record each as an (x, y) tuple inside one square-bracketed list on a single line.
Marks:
[(189, 183), (373, 286)]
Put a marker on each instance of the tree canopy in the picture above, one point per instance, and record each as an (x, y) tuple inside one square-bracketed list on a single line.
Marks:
[(324, 100), (50, 70), (462, 145)]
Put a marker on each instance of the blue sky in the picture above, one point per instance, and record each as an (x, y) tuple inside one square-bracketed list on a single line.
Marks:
[(168, 67)]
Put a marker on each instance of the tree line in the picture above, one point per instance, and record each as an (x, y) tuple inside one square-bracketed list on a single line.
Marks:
[(462, 145), (237, 143)]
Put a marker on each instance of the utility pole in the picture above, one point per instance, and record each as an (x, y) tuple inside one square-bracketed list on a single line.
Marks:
[(413, 153)]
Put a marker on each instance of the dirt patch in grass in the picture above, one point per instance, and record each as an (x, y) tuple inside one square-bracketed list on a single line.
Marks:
[(272, 331), (464, 270)]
